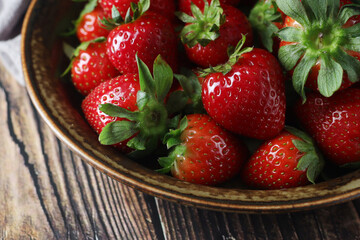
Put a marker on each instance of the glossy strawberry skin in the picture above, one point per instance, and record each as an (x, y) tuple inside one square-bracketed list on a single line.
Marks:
[(231, 33), (250, 99), (185, 5), (89, 27), (163, 7), (314, 72), (148, 36), (334, 123), (212, 154), (120, 91), (91, 67), (273, 165)]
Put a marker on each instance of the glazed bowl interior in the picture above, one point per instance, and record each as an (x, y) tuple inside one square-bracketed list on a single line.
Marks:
[(59, 105)]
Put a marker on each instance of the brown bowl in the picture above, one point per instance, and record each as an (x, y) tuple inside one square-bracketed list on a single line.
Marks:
[(58, 104)]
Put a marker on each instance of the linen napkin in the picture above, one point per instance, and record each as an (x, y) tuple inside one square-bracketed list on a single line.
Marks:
[(11, 16)]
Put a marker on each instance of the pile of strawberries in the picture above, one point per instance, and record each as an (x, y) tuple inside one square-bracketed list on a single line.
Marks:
[(197, 82)]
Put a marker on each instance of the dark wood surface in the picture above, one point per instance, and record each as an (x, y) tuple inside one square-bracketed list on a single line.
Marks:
[(47, 192)]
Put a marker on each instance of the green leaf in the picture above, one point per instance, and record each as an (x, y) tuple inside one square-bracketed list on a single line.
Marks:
[(68, 50), (348, 11), (145, 78), (315, 168), (353, 44), (191, 85), (183, 124), (166, 163), (289, 55), (290, 34), (353, 31), (330, 76), (116, 132), (144, 6), (295, 10), (349, 63), (137, 143), (176, 102), (352, 165), (303, 146), (301, 73), (115, 14), (306, 161), (333, 7), (142, 98), (84, 45), (174, 122), (203, 27), (163, 78), (267, 35), (317, 9), (116, 111)]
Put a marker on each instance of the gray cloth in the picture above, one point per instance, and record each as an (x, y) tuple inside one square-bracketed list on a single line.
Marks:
[(11, 15)]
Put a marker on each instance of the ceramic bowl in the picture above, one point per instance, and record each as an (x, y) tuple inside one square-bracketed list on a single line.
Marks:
[(59, 106)]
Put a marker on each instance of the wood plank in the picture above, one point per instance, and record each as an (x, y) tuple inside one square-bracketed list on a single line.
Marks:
[(47, 192)]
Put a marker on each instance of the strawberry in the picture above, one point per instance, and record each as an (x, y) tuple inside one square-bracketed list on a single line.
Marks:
[(208, 34), (288, 160), (203, 152), (247, 94), (89, 27), (319, 44), (130, 111), (185, 5), (147, 34), (90, 66), (334, 123), (163, 7)]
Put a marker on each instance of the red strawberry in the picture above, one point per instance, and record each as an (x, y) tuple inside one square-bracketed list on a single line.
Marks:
[(148, 36), (185, 5), (203, 152), (163, 7), (288, 160), (318, 44), (89, 26), (120, 91), (129, 110), (247, 95), (334, 123), (208, 35), (91, 66)]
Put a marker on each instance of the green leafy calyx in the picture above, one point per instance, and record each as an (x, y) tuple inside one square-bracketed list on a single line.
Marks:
[(150, 122), (321, 38), (134, 12), (234, 56), (173, 141), (312, 160), (203, 27), (262, 18)]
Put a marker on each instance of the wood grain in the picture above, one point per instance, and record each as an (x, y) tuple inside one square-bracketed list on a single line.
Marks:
[(47, 192)]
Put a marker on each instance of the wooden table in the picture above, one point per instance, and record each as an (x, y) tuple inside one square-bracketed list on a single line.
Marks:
[(47, 192)]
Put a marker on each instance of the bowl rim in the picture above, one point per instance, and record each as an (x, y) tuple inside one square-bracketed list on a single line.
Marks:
[(191, 199)]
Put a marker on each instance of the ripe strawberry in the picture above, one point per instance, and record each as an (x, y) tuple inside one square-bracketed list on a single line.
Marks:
[(120, 91), (129, 110), (163, 7), (247, 95), (288, 160), (334, 123), (318, 44), (149, 35), (209, 34), (203, 152), (185, 5), (90, 66), (89, 27)]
